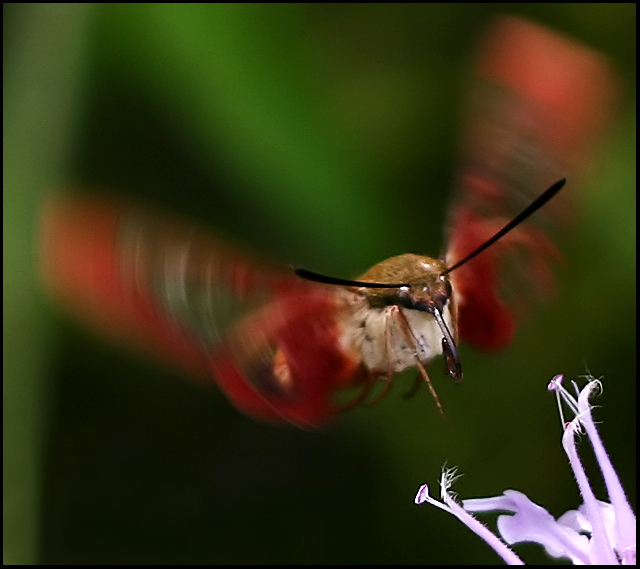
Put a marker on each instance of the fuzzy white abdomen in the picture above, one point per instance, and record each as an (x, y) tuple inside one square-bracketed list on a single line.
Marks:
[(378, 335)]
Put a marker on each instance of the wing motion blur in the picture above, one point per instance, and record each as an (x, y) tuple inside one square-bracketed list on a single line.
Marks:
[(538, 103), (281, 346), (267, 337)]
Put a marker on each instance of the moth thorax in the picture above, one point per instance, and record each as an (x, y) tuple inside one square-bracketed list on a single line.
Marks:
[(396, 326), (426, 286)]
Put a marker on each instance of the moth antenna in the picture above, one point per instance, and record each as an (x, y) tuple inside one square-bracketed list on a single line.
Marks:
[(517, 220), (318, 278)]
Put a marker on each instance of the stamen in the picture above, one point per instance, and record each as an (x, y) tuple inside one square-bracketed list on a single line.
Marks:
[(563, 394)]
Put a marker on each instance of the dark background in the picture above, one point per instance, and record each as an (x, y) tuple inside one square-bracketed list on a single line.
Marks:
[(318, 135)]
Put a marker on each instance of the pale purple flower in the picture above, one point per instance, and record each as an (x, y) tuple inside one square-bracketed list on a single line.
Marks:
[(602, 533)]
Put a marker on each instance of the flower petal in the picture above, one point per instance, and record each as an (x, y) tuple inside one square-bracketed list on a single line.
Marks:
[(533, 523), (621, 531)]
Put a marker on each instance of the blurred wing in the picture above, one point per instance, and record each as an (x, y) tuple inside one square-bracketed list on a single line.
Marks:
[(268, 338), (539, 102)]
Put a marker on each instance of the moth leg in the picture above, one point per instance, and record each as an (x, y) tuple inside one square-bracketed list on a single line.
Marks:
[(387, 339), (417, 382), (413, 343), (369, 380)]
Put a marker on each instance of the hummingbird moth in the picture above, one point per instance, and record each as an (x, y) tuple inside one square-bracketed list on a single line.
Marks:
[(281, 343)]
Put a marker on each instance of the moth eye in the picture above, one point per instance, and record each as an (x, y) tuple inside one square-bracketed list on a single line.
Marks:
[(403, 292), (440, 302), (447, 287)]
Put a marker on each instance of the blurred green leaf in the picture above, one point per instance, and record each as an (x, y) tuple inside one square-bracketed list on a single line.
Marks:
[(321, 135)]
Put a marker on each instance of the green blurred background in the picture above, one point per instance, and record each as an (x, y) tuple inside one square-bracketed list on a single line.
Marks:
[(319, 135)]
